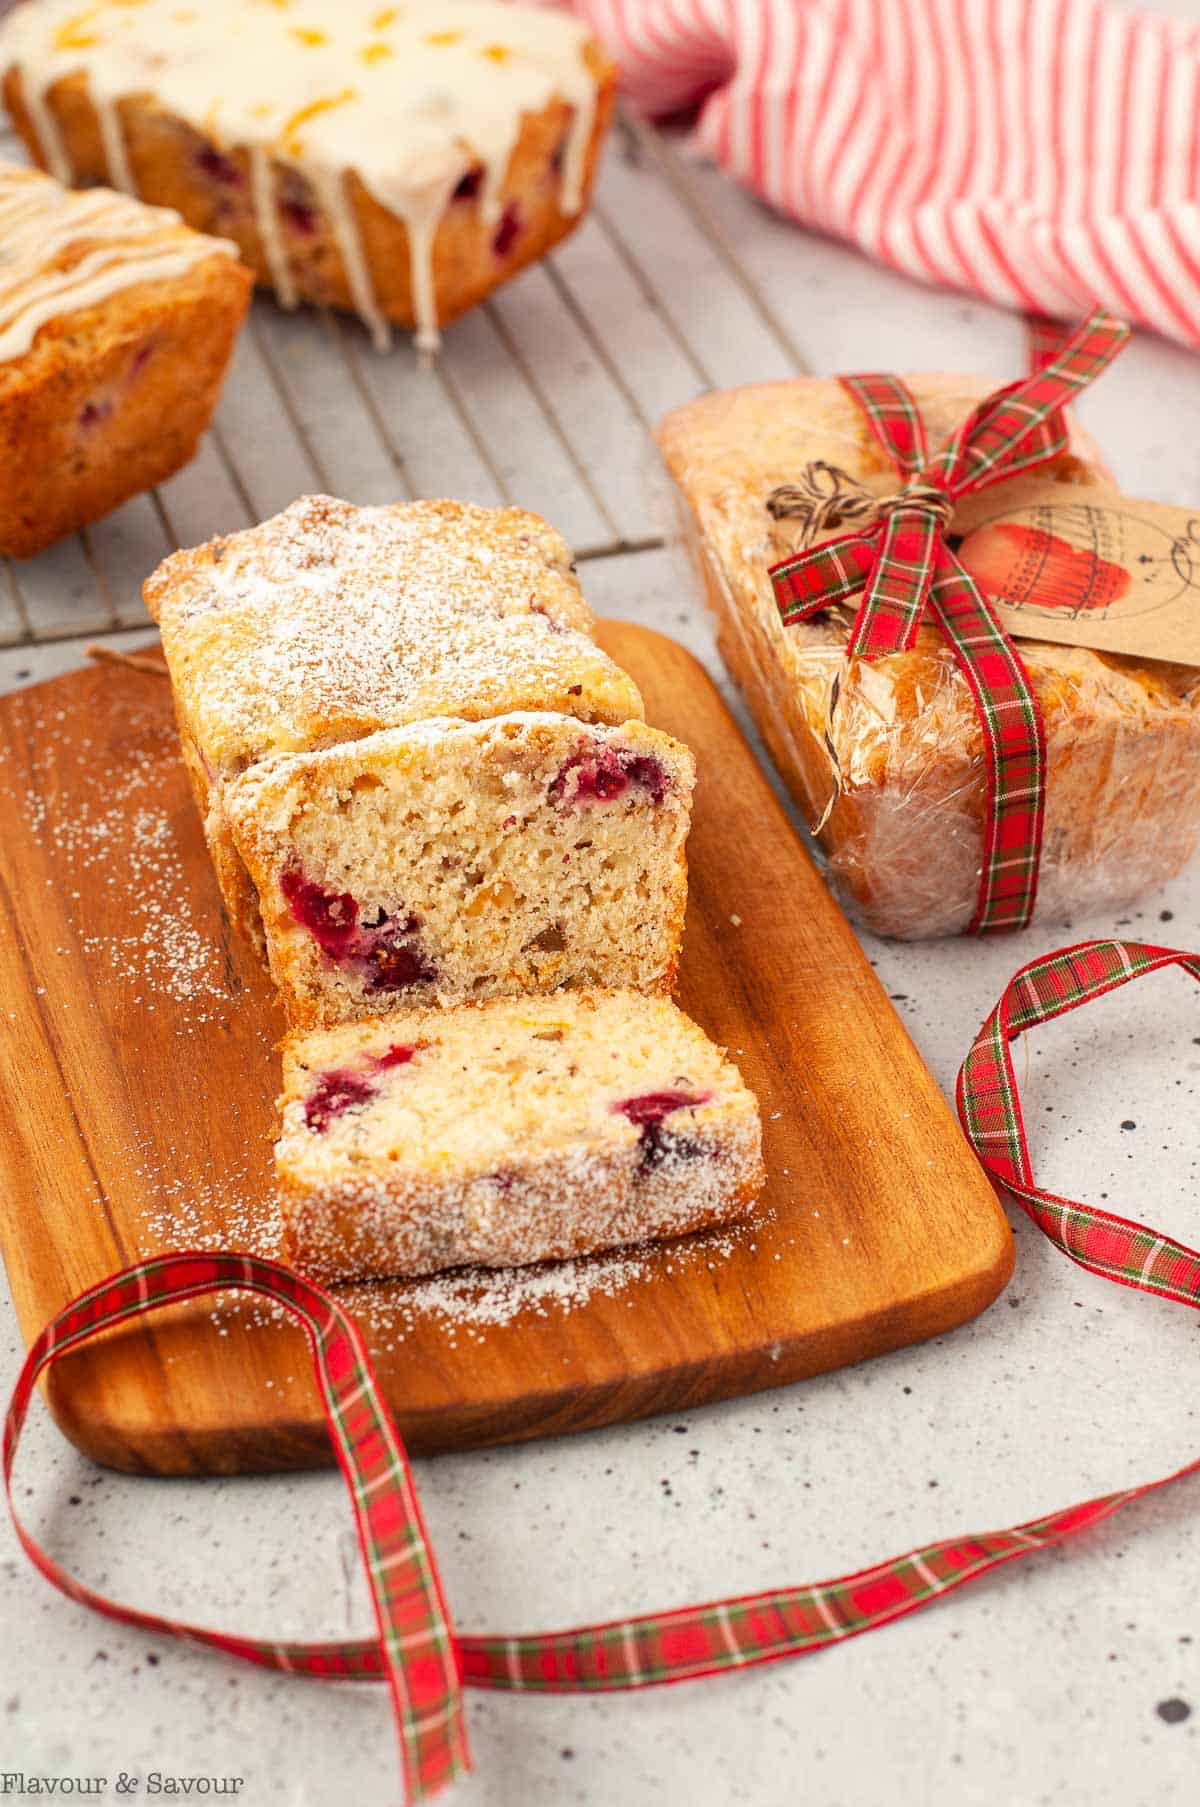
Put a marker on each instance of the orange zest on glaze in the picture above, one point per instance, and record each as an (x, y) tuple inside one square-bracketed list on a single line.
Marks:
[(311, 111), (307, 35), (498, 53), (441, 39), (375, 53), (1029, 565), (382, 20), (76, 33)]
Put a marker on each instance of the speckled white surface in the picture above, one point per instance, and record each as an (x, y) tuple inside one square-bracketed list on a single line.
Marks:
[(1053, 1682)]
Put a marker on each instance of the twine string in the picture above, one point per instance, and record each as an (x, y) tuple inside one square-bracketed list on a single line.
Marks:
[(824, 497)]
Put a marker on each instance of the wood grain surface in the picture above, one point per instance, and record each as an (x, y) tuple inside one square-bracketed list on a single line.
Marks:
[(138, 1083)]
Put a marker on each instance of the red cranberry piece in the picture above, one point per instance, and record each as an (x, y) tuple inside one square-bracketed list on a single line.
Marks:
[(92, 413), (596, 775), (656, 1143), (604, 776), (331, 917), (299, 216), (505, 235), (652, 1107), (556, 627), (219, 168), (393, 961), (141, 358), (470, 184), (335, 1093), (644, 770), (398, 1055)]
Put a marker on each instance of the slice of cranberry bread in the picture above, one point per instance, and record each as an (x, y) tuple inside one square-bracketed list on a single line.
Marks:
[(512, 1131), (330, 622), (449, 860), (116, 327)]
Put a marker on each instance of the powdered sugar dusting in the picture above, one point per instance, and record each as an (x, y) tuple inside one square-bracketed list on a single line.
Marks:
[(331, 621), (467, 1304), (474, 1300)]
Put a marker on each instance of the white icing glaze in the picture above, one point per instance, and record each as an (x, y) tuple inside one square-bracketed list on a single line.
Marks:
[(113, 138), (120, 242), (408, 97), (267, 221)]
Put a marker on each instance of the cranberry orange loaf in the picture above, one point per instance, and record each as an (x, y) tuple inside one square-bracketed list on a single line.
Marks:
[(330, 622), (513, 1131), (116, 325), (448, 860), (397, 160), (901, 812)]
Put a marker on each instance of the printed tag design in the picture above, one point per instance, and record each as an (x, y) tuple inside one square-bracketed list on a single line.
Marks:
[(1101, 569)]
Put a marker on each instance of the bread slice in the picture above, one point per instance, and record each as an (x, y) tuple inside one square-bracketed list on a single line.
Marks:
[(450, 860), (508, 1132)]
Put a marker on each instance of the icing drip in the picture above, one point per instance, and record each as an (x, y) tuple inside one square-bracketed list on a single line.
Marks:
[(411, 98), (267, 220), (113, 140), (330, 186), (45, 126), (119, 242)]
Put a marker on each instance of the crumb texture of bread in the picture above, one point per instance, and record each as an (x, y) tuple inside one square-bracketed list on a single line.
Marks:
[(449, 860), (508, 1132), (397, 161), (117, 323), (902, 815)]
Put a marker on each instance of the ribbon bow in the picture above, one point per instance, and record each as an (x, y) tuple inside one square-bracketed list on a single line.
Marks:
[(898, 557)]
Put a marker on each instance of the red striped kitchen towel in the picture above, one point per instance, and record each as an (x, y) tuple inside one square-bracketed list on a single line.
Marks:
[(1042, 153)]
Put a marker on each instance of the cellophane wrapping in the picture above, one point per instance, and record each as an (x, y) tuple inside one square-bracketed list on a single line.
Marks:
[(886, 759)]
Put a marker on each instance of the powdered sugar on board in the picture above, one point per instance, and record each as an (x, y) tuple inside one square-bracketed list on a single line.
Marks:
[(474, 1300), (469, 1302), (122, 840)]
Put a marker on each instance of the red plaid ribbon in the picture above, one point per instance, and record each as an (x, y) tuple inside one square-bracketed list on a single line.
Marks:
[(416, 1649), (905, 569)]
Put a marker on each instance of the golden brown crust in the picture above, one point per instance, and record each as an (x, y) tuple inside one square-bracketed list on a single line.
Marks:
[(113, 398), (164, 155), (904, 836)]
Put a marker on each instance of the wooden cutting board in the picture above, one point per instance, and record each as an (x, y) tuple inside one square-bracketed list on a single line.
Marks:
[(138, 1081)]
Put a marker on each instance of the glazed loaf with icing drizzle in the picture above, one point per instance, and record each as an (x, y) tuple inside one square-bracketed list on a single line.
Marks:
[(894, 775), (399, 161), (374, 705), (508, 1132), (116, 327)]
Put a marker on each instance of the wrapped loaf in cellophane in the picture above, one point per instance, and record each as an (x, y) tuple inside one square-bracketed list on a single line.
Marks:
[(886, 758)]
